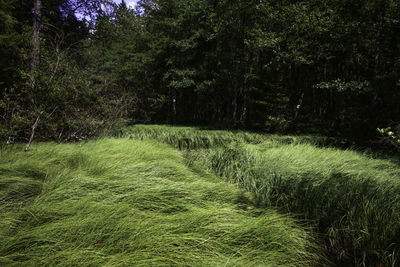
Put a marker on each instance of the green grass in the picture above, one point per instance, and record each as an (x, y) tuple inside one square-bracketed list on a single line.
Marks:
[(351, 198), (196, 137), (120, 202)]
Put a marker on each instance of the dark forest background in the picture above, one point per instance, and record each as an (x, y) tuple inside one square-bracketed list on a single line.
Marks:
[(83, 66)]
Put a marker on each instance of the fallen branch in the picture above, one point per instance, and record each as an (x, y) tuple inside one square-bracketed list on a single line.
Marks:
[(33, 132)]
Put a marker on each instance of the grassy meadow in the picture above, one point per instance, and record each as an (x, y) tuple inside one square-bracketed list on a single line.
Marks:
[(122, 202), (162, 196), (350, 199)]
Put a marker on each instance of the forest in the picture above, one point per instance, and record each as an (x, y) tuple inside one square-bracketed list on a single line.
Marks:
[(328, 67), (199, 133)]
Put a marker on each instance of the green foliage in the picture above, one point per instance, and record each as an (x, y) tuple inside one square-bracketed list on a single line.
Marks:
[(390, 136), (289, 66), (70, 89), (124, 202), (340, 86)]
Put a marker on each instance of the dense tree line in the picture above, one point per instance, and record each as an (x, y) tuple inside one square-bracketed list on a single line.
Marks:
[(316, 65)]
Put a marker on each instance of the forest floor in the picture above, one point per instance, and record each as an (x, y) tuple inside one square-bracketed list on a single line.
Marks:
[(162, 196)]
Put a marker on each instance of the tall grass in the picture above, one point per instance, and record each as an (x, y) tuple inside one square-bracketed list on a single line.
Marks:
[(196, 137), (352, 199), (119, 202)]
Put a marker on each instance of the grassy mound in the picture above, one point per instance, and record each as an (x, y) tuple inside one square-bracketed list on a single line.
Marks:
[(352, 199), (124, 202)]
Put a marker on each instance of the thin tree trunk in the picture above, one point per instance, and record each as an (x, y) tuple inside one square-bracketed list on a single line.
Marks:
[(298, 107), (376, 67), (243, 114), (174, 108), (33, 132), (56, 66), (37, 16), (234, 108), (378, 27)]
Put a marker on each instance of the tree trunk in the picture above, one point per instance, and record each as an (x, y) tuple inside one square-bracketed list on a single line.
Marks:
[(174, 108), (298, 107), (243, 114), (234, 108), (37, 16), (33, 131), (378, 28)]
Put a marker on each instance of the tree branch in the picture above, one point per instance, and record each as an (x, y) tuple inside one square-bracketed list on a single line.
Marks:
[(33, 132)]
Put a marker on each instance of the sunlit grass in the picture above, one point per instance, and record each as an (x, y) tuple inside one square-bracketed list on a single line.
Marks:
[(119, 202), (195, 137), (351, 198), (124, 201)]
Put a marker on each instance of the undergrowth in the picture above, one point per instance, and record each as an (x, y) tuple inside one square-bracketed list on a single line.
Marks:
[(119, 202)]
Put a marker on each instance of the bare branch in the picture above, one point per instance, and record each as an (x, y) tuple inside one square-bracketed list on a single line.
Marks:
[(33, 132)]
